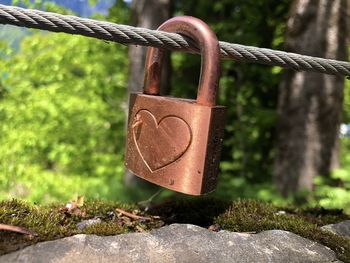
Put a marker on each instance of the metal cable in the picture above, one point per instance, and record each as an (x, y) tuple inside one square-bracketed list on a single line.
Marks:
[(140, 36)]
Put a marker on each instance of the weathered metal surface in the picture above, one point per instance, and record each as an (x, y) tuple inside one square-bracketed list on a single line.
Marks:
[(174, 142)]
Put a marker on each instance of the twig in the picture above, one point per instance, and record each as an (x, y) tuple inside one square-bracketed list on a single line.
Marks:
[(135, 217), (17, 229)]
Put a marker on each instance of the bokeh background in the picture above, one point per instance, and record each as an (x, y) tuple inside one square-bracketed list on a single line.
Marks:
[(63, 104)]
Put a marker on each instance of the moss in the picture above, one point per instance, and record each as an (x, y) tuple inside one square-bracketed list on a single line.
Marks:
[(105, 229), (250, 215), (197, 211), (319, 215), (49, 222), (240, 215), (101, 208)]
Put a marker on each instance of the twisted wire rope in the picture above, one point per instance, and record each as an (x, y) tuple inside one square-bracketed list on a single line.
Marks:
[(124, 34)]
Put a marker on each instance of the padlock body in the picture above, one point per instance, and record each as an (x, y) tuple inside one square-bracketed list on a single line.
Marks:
[(175, 143)]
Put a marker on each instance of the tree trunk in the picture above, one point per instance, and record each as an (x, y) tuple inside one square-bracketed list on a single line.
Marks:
[(310, 104), (148, 14)]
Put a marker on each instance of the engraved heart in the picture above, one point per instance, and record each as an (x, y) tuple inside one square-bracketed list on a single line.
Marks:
[(160, 143)]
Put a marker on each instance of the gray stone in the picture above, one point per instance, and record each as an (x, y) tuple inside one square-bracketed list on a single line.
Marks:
[(341, 229), (177, 243)]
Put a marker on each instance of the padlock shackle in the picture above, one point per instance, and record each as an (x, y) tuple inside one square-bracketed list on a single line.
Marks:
[(201, 33)]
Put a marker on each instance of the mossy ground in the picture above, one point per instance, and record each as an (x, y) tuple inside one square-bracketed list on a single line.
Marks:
[(49, 222)]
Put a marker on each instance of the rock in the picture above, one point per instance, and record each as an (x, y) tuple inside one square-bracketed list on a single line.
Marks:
[(341, 229), (81, 225), (177, 243)]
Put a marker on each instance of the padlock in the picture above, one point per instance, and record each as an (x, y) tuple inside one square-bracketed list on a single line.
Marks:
[(175, 142)]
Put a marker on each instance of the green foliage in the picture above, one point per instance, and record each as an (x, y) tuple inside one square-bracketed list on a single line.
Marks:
[(23, 2), (334, 191), (346, 103), (62, 113), (46, 5)]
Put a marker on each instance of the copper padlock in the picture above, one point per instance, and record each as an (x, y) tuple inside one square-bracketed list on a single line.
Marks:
[(172, 142)]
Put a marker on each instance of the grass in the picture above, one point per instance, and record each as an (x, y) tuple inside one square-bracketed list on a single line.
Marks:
[(51, 222)]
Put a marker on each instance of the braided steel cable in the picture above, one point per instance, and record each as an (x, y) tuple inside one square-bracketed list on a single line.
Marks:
[(124, 34)]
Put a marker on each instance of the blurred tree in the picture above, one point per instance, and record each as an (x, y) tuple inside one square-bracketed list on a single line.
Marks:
[(310, 104), (148, 14), (248, 90)]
